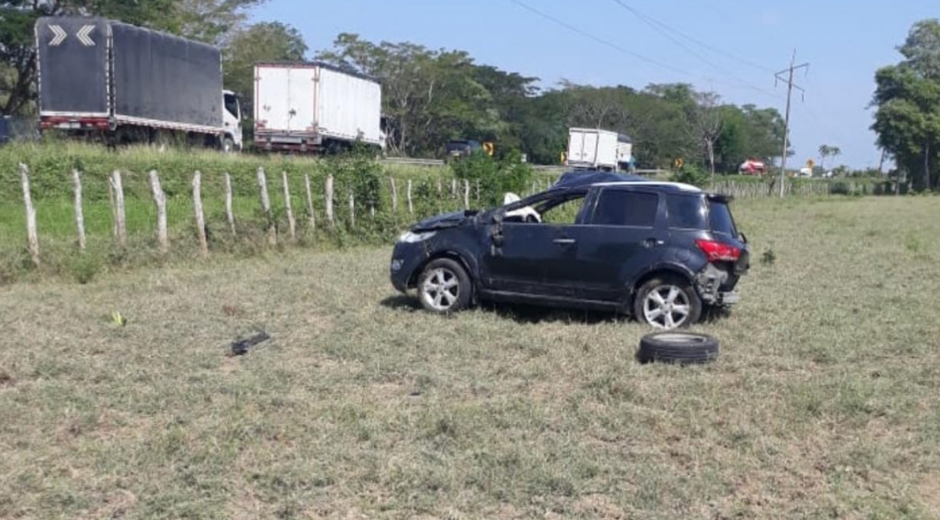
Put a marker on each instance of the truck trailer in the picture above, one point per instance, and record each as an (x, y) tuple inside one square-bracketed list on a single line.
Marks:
[(130, 84), (594, 149), (315, 107)]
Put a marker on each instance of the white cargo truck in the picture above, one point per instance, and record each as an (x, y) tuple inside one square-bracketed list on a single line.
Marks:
[(593, 149), (315, 107)]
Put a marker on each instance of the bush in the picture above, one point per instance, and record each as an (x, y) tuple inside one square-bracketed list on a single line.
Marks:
[(691, 174), (495, 178), (84, 268)]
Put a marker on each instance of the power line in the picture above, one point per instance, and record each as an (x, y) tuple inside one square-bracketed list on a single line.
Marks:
[(601, 41), (696, 41), (630, 53), (666, 31)]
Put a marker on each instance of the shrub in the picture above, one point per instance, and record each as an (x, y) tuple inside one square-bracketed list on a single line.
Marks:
[(84, 268), (691, 174), (495, 178)]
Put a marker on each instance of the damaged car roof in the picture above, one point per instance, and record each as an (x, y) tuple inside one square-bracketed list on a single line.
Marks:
[(575, 180)]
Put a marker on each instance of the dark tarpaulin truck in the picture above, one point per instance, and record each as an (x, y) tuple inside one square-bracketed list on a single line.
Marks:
[(132, 84)]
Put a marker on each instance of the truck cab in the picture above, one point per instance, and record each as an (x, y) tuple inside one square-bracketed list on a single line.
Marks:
[(232, 122)]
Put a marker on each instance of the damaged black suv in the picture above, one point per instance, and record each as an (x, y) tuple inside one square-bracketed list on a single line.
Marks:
[(659, 251)]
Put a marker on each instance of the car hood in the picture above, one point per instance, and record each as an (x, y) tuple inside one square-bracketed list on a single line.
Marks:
[(446, 220)]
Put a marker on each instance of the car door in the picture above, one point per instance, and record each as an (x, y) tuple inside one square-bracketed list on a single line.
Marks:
[(623, 235), (536, 259)]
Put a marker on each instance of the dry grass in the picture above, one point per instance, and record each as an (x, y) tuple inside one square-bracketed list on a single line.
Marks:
[(825, 402)]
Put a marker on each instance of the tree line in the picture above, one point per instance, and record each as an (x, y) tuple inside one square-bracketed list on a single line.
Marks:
[(434, 95), (430, 96)]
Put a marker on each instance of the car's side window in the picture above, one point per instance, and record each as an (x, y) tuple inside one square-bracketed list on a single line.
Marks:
[(626, 208), (686, 212), (565, 213)]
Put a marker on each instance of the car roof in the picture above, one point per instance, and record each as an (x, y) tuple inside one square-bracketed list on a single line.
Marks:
[(587, 179), (669, 186)]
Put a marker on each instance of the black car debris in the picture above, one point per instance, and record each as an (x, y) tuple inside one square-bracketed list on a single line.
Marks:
[(659, 251)]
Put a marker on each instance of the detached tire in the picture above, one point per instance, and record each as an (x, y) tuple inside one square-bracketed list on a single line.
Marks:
[(678, 348)]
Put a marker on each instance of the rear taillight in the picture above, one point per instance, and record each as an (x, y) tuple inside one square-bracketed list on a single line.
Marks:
[(718, 252)]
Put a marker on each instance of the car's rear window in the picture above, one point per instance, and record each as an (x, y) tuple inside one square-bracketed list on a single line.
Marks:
[(687, 212), (721, 219)]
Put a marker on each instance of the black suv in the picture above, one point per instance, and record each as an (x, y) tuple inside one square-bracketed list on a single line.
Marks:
[(658, 251)]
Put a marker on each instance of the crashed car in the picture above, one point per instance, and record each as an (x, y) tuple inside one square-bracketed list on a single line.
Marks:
[(661, 252)]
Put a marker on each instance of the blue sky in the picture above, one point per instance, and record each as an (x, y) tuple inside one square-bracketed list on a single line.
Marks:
[(845, 41)]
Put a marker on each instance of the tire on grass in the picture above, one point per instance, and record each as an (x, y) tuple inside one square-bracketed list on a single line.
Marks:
[(680, 348)]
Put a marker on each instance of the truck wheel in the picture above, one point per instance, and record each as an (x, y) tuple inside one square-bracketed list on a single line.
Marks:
[(667, 302), (228, 145)]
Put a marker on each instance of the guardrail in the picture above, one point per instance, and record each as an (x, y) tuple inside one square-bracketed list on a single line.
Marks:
[(413, 162)]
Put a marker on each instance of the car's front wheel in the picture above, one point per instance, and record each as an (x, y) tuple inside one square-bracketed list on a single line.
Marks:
[(667, 303), (444, 287)]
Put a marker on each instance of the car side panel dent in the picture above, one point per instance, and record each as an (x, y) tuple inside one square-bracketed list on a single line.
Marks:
[(435, 248)]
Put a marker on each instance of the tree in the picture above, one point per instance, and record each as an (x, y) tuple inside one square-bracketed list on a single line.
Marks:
[(826, 151), (262, 42), (907, 99), (429, 96), (210, 21), (709, 121)]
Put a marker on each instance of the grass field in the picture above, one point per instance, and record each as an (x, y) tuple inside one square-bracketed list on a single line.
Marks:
[(825, 402)]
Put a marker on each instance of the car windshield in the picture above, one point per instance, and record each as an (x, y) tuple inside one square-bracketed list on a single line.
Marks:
[(721, 219)]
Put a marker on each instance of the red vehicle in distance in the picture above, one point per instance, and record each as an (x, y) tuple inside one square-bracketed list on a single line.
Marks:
[(752, 167)]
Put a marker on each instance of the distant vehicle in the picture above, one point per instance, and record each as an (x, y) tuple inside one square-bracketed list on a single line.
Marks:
[(315, 107), (593, 149), (458, 148), (130, 84), (659, 251), (752, 167)]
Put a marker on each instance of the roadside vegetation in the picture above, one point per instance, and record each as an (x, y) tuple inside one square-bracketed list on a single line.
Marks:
[(824, 402), (478, 182)]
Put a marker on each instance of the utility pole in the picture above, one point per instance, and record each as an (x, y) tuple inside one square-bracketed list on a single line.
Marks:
[(786, 125)]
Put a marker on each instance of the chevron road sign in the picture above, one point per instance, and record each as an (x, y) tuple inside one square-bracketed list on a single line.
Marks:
[(84, 35), (59, 35)]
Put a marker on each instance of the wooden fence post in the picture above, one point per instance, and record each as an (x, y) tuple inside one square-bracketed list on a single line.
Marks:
[(229, 214), (200, 216), (466, 194), (440, 189), (329, 200), (159, 198), (120, 220), (411, 208), (266, 207), (311, 217), (478, 190), (352, 209), (453, 188), (79, 213), (31, 232), (291, 222), (394, 195)]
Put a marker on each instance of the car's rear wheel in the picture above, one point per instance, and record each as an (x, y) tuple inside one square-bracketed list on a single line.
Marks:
[(444, 287), (667, 303)]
